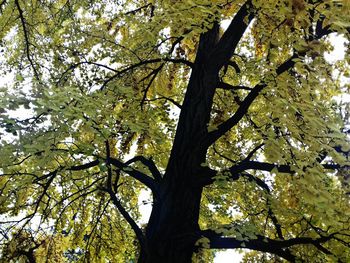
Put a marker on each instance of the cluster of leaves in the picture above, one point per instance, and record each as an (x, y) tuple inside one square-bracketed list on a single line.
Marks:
[(98, 80)]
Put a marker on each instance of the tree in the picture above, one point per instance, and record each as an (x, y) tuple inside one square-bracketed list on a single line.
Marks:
[(239, 132)]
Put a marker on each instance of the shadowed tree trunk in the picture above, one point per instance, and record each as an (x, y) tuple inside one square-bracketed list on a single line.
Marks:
[(173, 227)]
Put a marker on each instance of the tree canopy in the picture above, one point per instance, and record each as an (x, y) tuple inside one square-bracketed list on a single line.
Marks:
[(227, 112)]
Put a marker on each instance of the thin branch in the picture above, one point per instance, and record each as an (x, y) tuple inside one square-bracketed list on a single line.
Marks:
[(109, 168), (168, 99), (52, 175), (226, 86), (74, 66), (133, 12), (265, 187), (239, 114), (150, 165), (145, 91), (223, 156), (145, 62), (26, 38), (141, 177), (2, 4), (98, 220), (85, 194), (117, 203)]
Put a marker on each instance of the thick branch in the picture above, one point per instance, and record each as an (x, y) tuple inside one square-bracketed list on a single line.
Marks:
[(234, 65), (256, 148), (227, 44), (141, 177), (261, 166), (264, 244), (260, 244), (245, 104), (84, 166), (226, 86), (236, 171), (239, 114), (264, 166)]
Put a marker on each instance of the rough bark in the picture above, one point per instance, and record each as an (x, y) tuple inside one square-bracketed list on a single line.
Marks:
[(171, 231), (170, 234), (173, 228)]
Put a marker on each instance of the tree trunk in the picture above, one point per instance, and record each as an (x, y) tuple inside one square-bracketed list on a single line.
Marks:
[(172, 230)]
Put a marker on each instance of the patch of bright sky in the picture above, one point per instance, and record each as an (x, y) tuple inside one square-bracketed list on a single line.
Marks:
[(338, 53)]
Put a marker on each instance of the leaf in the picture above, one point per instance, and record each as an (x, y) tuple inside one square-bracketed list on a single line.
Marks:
[(19, 77)]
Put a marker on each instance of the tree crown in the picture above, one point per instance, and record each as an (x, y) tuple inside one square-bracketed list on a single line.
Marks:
[(116, 95)]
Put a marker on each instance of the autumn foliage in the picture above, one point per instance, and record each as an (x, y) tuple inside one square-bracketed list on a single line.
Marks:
[(231, 116)]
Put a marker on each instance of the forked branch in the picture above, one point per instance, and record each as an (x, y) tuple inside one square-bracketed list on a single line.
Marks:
[(150, 165), (138, 232), (141, 177), (227, 44), (26, 38), (233, 120), (238, 170), (265, 244)]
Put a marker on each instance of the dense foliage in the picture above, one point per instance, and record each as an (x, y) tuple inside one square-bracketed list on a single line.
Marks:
[(227, 112)]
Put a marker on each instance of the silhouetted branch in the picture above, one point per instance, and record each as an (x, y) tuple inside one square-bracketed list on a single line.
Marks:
[(238, 170), (26, 38), (245, 104), (150, 165), (141, 177), (233, 120), (145, 62), (226, 86), (154, 73), (84, 166), (228, 42), (265, 244), (117, 203), (178, 105)]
